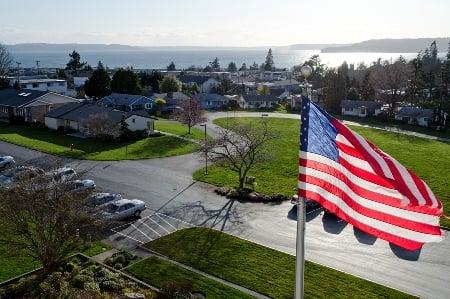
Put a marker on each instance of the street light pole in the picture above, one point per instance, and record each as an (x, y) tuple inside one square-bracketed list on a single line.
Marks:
[(301, 216), (206, 152)]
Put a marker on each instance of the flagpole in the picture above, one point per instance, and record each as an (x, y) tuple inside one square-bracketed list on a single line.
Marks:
[(301, 213)]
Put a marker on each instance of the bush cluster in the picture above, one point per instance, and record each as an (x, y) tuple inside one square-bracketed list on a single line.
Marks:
[(249, 195)]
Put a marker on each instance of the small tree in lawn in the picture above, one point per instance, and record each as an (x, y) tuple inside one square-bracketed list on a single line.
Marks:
[(240, 147), (169, 84), (45, 218), (99, 125), (160, 102), (190, 113)]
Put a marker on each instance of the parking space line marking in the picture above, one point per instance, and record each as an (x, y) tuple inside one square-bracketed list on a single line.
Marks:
[(126, 236), (141, 232), (190, 224), (160, 226), (166, 221), (150, 228)]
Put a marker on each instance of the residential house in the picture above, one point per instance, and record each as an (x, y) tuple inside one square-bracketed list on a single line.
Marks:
[(259, 101), (268, 75), (360, 108), (128, 102), (205, 83), (173, 99), (73, 116), (211, 100), (43, 83), (30, 105), (416, 116)]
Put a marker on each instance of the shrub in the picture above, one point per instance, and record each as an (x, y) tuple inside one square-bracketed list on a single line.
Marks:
[(80, 280), (175, 290), (92, 287)]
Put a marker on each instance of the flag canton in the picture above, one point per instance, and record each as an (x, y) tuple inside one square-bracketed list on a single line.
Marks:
[(318, 135)]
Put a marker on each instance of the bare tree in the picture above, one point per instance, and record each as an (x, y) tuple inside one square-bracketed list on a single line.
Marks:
[(44, 217), (190, 113), (391, 78), (241, 147), (102, 126), (5, 64)]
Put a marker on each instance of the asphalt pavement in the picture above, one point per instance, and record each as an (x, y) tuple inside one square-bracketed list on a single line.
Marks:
[(167, 187)]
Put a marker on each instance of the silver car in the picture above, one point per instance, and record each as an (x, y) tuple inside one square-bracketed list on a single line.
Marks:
[(63, 174), (100, 200), (6, 162), (124, 208)]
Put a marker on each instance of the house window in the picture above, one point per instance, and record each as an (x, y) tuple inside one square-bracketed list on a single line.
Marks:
[(35, 85), (348, 109), (133, 120), (148, 106), (23, 86), (61, 83)]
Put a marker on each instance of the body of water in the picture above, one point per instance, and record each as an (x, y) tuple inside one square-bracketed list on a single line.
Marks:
[(156, 59)]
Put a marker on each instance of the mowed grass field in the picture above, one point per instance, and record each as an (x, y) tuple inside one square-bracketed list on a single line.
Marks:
[(93, 149), (14, 263), (429, 159), (264, 270)]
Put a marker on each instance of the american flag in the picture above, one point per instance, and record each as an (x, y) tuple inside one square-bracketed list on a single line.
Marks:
[(361, 184)]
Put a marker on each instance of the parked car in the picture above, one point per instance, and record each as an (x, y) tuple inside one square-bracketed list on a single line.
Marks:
[(99, 200), (6, 162), (308, 202), (124, 208), (63, 174), (81, 185), (19, 172)]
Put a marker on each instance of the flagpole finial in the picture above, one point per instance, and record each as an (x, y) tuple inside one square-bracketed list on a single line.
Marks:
[(306, 71)]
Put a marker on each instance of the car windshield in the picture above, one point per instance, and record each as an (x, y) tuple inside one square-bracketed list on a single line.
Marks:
[(112, 208)]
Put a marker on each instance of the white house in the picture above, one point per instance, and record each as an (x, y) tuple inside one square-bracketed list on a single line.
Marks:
[(360, 108), (53, 85), (205, 83), (73, 116), (415, 116)]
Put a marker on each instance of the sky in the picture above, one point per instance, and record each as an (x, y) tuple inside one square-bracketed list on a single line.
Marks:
[(220, 22)]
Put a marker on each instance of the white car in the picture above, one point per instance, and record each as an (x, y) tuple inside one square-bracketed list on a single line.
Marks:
[(124, 208), (81, 185), (99, 200), (63, 174), (6, 162)]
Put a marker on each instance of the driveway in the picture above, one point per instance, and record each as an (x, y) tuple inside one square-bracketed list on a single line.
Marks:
[(167, 187)]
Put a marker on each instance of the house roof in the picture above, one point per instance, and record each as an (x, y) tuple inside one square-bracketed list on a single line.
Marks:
[(209, 97), (18, 97), (122, 99), (258, 98), (415, 112), (172, 96), (358, 104), (198, 79), (81, 111)]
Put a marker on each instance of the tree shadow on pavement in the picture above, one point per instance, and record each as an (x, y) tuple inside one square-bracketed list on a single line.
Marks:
[(363, 237), (333, 224), (224, 218), (405, 254)]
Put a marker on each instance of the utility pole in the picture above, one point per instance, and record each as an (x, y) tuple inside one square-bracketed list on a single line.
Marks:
[(37, 66), (18, 73)]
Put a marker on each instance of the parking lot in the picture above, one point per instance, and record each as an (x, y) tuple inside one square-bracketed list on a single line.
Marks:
[(146, 229)]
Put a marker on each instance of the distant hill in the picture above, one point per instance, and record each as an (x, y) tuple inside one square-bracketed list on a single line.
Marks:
[(401, 45), (43, 47), (309, 46)]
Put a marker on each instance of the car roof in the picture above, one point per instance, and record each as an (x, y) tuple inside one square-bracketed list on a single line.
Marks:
[(124, 201)]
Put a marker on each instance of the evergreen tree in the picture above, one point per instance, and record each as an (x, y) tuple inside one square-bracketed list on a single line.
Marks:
[(151, 80), (75, 63), (170, 84), (215, 65), (171, 67), (99, 84), (255, 66), (125, 81), (232, 67), (269, 64), (243, 67), (334, 91)]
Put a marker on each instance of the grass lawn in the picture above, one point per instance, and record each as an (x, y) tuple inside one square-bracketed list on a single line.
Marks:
[(91, 149), (429, 159), (179, 129), (156, 271), (261, 269), (13, 263)]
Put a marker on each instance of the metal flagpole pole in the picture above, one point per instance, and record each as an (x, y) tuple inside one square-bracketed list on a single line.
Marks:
[(301, 213)]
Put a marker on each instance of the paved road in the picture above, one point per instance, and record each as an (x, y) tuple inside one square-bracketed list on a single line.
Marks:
[(166, 185)]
